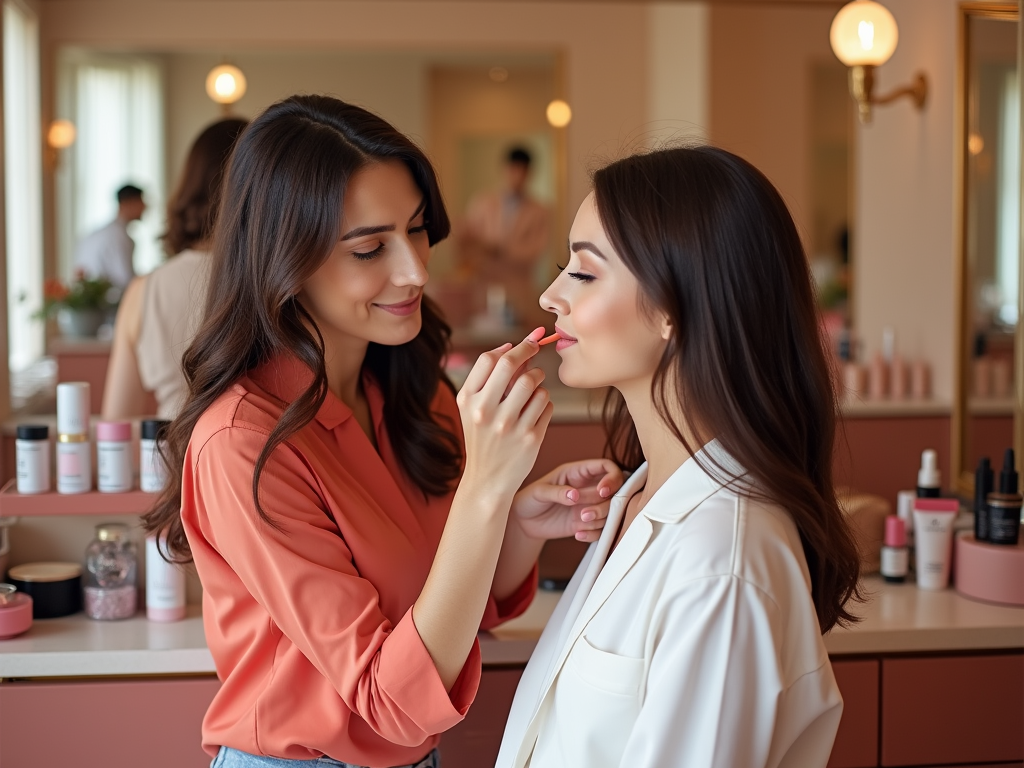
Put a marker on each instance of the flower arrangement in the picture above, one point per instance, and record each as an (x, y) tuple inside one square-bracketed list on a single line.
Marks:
[(82, 294)]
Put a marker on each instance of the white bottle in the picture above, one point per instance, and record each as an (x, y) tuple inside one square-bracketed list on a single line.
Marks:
[(152, 471), (74, 453), (165, 584), (32, 458)]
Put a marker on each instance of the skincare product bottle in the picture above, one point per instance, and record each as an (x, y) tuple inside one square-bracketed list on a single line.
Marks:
[(920, 380), (895, 557), (32, 458), (165, 584), (933, 540), (74, 453), (928, 477), (982, 488), (878, 378), (152, 472), (899, 379), (905, 512), (113, 456), (1004, 507)]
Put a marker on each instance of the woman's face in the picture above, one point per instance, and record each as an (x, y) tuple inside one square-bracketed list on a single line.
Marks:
[(371, 285), (607, 339)]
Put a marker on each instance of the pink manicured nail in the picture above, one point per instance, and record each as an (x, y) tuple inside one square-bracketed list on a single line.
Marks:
[(572, 494), (587, 516), (605, 492), (536, 334)]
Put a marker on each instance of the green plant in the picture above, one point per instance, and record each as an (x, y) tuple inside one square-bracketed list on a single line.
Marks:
[(82, 293)]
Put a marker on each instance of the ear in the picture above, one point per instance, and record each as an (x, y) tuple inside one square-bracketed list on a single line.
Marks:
[(666, 328)]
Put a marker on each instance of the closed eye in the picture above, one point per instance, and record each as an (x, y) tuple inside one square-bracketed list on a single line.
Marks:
[(368, 255), (582, 277)]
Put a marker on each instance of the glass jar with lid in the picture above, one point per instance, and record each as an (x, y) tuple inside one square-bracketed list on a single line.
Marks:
[(111, 568)]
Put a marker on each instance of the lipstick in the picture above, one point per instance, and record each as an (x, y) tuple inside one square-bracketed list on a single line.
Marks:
[(548, 339)]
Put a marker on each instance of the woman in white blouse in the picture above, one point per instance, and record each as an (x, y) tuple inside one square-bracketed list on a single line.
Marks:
[(691, 633)]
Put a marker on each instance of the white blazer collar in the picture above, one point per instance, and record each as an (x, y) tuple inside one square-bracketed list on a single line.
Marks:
[(690, 485)]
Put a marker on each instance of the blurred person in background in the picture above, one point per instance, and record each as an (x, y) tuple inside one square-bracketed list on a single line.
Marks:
[(108, 251), (504, 235), (160, 312)]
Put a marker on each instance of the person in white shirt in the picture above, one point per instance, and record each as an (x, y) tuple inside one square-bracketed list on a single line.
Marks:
[(108, 251), (690, 635)]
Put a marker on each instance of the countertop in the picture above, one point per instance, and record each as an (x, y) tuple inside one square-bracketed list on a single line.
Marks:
[(897, 619)]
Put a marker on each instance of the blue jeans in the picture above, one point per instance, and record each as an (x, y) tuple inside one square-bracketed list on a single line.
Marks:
[(233, 758)]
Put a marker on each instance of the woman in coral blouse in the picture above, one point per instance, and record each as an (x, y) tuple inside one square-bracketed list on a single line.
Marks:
[(348, 516)]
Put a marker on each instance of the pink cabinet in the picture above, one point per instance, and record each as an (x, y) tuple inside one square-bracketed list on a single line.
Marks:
[(856, 744), (952, 710), (105, 724)]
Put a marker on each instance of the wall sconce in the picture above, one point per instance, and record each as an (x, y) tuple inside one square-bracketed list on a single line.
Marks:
[(864, 36), (559, 113), (225, 85), (60, 135)]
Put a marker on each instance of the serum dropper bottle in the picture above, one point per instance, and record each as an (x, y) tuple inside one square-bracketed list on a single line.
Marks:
[(928, 477)]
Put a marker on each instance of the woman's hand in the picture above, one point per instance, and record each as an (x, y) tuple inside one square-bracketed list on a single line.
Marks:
[(505, 413), (571, 500)]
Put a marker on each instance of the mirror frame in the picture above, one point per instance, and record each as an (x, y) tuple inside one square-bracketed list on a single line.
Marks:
[(963, 476)]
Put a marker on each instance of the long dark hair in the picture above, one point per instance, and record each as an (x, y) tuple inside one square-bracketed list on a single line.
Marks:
[(192, 209), (714, 247), (280, 218)]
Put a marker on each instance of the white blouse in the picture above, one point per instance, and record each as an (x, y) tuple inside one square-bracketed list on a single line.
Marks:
[(695, 645)]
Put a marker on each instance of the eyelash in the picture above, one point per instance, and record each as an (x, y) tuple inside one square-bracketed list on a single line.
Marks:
[(583, 277), (370, 255)]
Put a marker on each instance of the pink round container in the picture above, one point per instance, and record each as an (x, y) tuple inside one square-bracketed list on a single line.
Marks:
[(15, 615), (990, 572), (114, 431)]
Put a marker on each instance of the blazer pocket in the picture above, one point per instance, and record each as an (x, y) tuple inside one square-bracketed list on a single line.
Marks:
[(609, 672)]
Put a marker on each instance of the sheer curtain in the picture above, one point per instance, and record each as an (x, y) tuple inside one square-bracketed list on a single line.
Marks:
[(117, 106), (23, 185), (1008, 213)]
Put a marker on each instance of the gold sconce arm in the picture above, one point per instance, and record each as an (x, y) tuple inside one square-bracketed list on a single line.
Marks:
[(862, 84)]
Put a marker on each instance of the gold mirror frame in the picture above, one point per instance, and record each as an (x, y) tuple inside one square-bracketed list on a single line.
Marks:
[(960, 416)]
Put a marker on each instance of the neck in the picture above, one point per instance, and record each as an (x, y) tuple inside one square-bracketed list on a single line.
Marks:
[(663, 450), (343, 359)]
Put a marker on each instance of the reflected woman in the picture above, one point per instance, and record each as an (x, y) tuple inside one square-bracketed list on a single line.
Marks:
[(691, 633)]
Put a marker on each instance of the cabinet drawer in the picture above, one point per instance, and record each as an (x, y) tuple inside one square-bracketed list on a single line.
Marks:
[(966, 709), (856, 743), (105, 724)]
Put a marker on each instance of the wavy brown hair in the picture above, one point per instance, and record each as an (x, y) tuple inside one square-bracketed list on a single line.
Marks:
[(714, 247), (282, 198), (192, 209)]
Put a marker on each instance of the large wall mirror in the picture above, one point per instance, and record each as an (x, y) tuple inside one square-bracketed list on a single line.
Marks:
[(989, 161)]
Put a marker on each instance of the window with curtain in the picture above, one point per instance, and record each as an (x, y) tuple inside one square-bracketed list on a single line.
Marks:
[(116, 103), (22, 185)]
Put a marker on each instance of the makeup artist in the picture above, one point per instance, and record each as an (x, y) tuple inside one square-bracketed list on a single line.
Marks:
[(352, 521)]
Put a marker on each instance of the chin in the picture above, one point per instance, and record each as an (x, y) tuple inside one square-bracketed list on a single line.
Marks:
[(408, 331)]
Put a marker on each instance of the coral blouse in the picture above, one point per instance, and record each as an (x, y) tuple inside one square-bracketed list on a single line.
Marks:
[(310, 622)]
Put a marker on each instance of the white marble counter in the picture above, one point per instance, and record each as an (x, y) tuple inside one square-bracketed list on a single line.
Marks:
[(898, 619)]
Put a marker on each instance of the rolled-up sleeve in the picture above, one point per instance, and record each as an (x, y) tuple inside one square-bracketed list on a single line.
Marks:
[(300, 571)]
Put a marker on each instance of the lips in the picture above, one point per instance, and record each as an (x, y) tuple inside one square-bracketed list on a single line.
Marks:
[(565, 336), (565, 341), (403, 307)]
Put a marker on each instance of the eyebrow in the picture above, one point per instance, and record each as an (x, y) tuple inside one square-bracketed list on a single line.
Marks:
[(582, 245), (364, 231)]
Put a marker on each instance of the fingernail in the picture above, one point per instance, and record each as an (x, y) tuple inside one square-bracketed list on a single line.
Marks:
[(572, 494), (536, 335), (580, 536), (587, 516), (605, 492)]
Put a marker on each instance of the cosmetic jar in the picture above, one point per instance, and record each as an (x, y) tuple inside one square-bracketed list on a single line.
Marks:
[(32, 458), (15, 611), (111, 573), (152, 472), (1004, 518), (74, 454), (113, 456), (165, 584), (55, 588)]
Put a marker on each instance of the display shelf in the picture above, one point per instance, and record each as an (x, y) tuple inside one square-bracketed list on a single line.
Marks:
[(14, 504)]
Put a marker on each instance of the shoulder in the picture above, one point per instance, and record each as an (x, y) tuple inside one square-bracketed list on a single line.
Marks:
[(243, 411), (741, 537)]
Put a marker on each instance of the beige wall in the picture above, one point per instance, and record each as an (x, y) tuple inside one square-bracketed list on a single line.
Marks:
[(604, 44), (760, 85), (390, 84), (679, 67)]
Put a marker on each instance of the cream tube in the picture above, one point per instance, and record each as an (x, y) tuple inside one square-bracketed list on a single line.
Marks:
[(933, 540)]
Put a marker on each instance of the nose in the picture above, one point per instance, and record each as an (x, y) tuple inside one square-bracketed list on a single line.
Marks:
[(410, 267), (552, 299)]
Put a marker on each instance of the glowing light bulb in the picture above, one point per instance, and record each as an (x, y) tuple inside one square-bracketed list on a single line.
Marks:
[(61, 134), (559, 113), (863, 33), (225, 84)]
